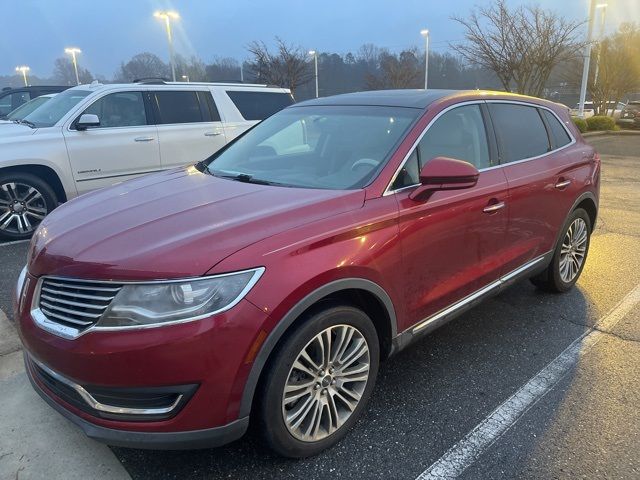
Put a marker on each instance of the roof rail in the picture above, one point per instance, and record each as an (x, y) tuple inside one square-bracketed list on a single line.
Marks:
[(151, 80)]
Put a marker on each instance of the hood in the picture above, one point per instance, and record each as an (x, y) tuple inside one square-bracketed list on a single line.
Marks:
[(10, 130), (178, 223)]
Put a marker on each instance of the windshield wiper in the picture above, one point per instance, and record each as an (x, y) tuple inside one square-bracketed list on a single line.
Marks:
[(22, 121), (244, 177)]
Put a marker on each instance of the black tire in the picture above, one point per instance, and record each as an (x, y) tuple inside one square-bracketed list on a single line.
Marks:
[(13, 187), (550, 280), (270, 396)]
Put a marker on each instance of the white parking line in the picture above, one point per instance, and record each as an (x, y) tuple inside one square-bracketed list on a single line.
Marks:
[(459, 457), (15, 242)]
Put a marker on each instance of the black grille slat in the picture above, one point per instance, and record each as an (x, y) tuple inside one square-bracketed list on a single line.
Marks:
[(75, 303)]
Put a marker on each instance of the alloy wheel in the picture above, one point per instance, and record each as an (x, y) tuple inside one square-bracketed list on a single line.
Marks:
[(22, 208), (326, 383), (573, 250)]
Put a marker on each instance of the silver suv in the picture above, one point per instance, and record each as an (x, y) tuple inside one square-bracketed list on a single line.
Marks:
[(92, 136)]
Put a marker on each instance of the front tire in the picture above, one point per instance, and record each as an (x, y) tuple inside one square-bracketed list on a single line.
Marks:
[(569, 256), (24, 202), (317, 385)]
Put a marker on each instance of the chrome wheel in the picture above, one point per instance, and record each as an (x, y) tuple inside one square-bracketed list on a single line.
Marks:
[(573, 250), (22, 208), (325, 383)]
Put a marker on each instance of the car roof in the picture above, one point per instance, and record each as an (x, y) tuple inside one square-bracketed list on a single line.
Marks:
[(97, 86), (415, 98)]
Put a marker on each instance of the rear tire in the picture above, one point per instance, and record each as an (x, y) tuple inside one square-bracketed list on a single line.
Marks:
[(308, 399), (569, 256), (25, 200)]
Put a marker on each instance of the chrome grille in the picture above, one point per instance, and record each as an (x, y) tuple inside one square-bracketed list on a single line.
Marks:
[(75, 303)]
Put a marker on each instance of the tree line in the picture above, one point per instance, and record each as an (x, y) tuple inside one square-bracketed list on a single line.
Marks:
[(523, 49)]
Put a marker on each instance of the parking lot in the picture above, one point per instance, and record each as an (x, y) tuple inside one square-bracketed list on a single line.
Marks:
[(438, 409)]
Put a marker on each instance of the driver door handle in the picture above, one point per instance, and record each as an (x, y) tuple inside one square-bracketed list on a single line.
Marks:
[(212, 134), (494, 207), (143, 139), (563, 184)]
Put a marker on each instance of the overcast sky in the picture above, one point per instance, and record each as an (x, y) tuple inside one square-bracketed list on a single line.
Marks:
[(35, 32)]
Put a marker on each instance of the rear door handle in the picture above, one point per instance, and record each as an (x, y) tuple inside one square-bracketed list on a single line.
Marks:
[(143, 139), (212, 134), (563, 184), (494, 207)]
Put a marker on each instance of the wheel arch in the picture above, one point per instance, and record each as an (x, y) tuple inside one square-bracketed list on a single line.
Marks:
[(45, 173), (362, 293)]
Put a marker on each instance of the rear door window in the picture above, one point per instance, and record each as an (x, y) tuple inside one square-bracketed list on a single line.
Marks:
[(559, 135), (180, 107), (259, 105), (520, 131)]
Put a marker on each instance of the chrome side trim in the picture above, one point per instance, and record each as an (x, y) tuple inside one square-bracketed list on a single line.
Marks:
[(70, 333), (387, 190), (102, 407), (476, 295)]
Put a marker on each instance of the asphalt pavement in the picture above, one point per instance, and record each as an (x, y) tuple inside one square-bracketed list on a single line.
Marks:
[(433, 412)]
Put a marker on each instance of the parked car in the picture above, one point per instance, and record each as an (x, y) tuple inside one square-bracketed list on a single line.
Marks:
[(12, 98), (630, 115), (26, 108), (269, 280), (613, 109), (92, 136)]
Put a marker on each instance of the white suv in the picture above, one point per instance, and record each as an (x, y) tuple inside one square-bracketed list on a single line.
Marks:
[(96, 135)]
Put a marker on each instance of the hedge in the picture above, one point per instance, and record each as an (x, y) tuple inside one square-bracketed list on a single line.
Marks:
[(600, 122), (580, 123)]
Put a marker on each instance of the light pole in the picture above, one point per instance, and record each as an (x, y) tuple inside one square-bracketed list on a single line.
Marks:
[(186, 78), (73, 52), (167, 16), (602, 6), (425, 34), (587, 59), (314, 54), (23, 69)]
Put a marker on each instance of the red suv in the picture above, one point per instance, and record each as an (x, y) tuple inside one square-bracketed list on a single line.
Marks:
[(269, 280)]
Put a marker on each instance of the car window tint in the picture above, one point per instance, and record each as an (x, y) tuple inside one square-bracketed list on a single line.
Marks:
[(121, 109), (409, 174), (459, 134), (259, 105), (520, 131), (559, 135), (179, 107), (12, 101)]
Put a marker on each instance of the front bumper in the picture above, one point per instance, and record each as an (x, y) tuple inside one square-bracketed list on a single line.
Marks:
[(207, 360), (205, 438)]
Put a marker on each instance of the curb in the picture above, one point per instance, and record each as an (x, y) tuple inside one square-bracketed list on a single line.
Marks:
[(611, 132)]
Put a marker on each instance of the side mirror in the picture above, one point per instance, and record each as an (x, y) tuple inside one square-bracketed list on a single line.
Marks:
[(87, 120), (443, 173)]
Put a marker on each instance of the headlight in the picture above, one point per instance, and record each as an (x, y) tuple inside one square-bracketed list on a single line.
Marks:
[(173, 301)]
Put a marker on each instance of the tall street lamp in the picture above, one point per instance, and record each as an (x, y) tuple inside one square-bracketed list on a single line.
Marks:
[(425, 34), (314, 54), (73, 52), (603, 7), (167, 16), (587, 58), (23, 69)]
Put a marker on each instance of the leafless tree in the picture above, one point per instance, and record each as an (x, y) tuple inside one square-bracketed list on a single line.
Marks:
[(64, 74), (397, 71), (521, 45), (289, 67), (142, 65)]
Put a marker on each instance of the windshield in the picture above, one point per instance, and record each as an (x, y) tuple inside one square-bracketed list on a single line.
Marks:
[(332, 147), (51, 112), (25, 109)]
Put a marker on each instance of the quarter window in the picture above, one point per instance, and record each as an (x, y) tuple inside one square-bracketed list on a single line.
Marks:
[(180, 107), (558, 133), (521, 133), (459, 134), (121, 109), (259, 105)]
